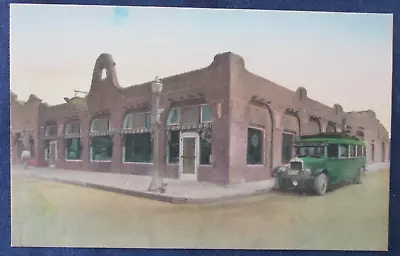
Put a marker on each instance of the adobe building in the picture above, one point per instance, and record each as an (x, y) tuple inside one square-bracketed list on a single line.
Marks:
[(220, 123)]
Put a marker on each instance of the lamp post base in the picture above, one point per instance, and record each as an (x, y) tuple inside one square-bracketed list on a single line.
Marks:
[(156, 185), (155, 182)]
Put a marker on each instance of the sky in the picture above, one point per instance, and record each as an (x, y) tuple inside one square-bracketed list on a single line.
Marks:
[(343, 58)]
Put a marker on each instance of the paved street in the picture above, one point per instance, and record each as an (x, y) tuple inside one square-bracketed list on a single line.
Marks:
[(47, 213)]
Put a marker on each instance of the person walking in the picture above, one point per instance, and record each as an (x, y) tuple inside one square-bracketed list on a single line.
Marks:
[(26, 157)]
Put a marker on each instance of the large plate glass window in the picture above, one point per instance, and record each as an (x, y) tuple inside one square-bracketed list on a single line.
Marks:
[(73, 149), (205, 152), (138, 148), (101, 148), (173, 147)]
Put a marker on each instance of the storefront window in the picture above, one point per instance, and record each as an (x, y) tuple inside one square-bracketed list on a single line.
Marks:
[(73, 149), (101, 148), (254, 146), (138, 148), (206, 113), (205, 152), (173, 147)]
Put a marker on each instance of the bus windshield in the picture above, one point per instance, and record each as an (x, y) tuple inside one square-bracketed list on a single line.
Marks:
[(310, 150)]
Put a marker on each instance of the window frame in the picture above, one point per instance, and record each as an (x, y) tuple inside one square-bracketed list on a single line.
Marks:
[(353, 146), (211, 156), (201, 114), (294, 139), (179, 144), (67, 125), (66, 151), (99, 118), (47, 128), (91, 150), (262, 149), (337, 148), (133, 162), (125, 121), (340, 151), (178, 121)]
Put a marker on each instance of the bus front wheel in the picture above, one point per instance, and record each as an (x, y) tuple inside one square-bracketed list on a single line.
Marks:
[(321, 184)]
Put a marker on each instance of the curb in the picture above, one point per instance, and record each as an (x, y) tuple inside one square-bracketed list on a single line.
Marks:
[(159, 197)]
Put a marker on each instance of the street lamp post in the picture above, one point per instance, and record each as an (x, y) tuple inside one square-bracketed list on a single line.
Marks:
[(156, 88)]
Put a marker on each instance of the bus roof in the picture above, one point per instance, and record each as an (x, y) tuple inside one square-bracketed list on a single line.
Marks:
[(331, 137)]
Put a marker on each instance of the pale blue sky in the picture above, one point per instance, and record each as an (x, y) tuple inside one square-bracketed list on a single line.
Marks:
[(339, 58)]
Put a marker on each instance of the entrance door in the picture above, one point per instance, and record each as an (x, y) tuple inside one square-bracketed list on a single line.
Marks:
[(189, 148), (52, 153)]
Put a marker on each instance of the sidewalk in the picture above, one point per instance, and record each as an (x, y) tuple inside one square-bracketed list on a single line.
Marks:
[(178, 191)]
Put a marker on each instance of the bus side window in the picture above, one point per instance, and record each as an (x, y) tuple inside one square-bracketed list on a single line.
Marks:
[(359, 151), (344, 151), (352, 150), (333, 151)]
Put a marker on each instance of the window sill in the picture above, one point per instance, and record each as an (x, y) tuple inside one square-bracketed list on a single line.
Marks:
[(73, 160), (143, 163), (100, 161), (255, 165)]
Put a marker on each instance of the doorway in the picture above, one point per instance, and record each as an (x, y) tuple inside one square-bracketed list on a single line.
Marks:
[(188, 151), (52, 153)]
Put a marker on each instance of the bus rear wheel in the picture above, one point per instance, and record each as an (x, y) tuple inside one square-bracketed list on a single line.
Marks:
[(321, 184)]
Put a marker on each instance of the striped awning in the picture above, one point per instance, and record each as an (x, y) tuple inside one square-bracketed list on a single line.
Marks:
[(72, 136), (136, 130), (189, 126), (105, 133)]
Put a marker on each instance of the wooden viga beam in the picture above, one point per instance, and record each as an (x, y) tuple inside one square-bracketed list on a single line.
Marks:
[(260, 99)]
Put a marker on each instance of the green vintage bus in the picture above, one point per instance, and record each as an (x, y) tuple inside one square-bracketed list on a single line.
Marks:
[(323, 160)]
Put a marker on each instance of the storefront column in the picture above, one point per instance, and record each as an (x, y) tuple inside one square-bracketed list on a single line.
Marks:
[(85, 140), (60, 153), (116, 162), (277, 145)]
